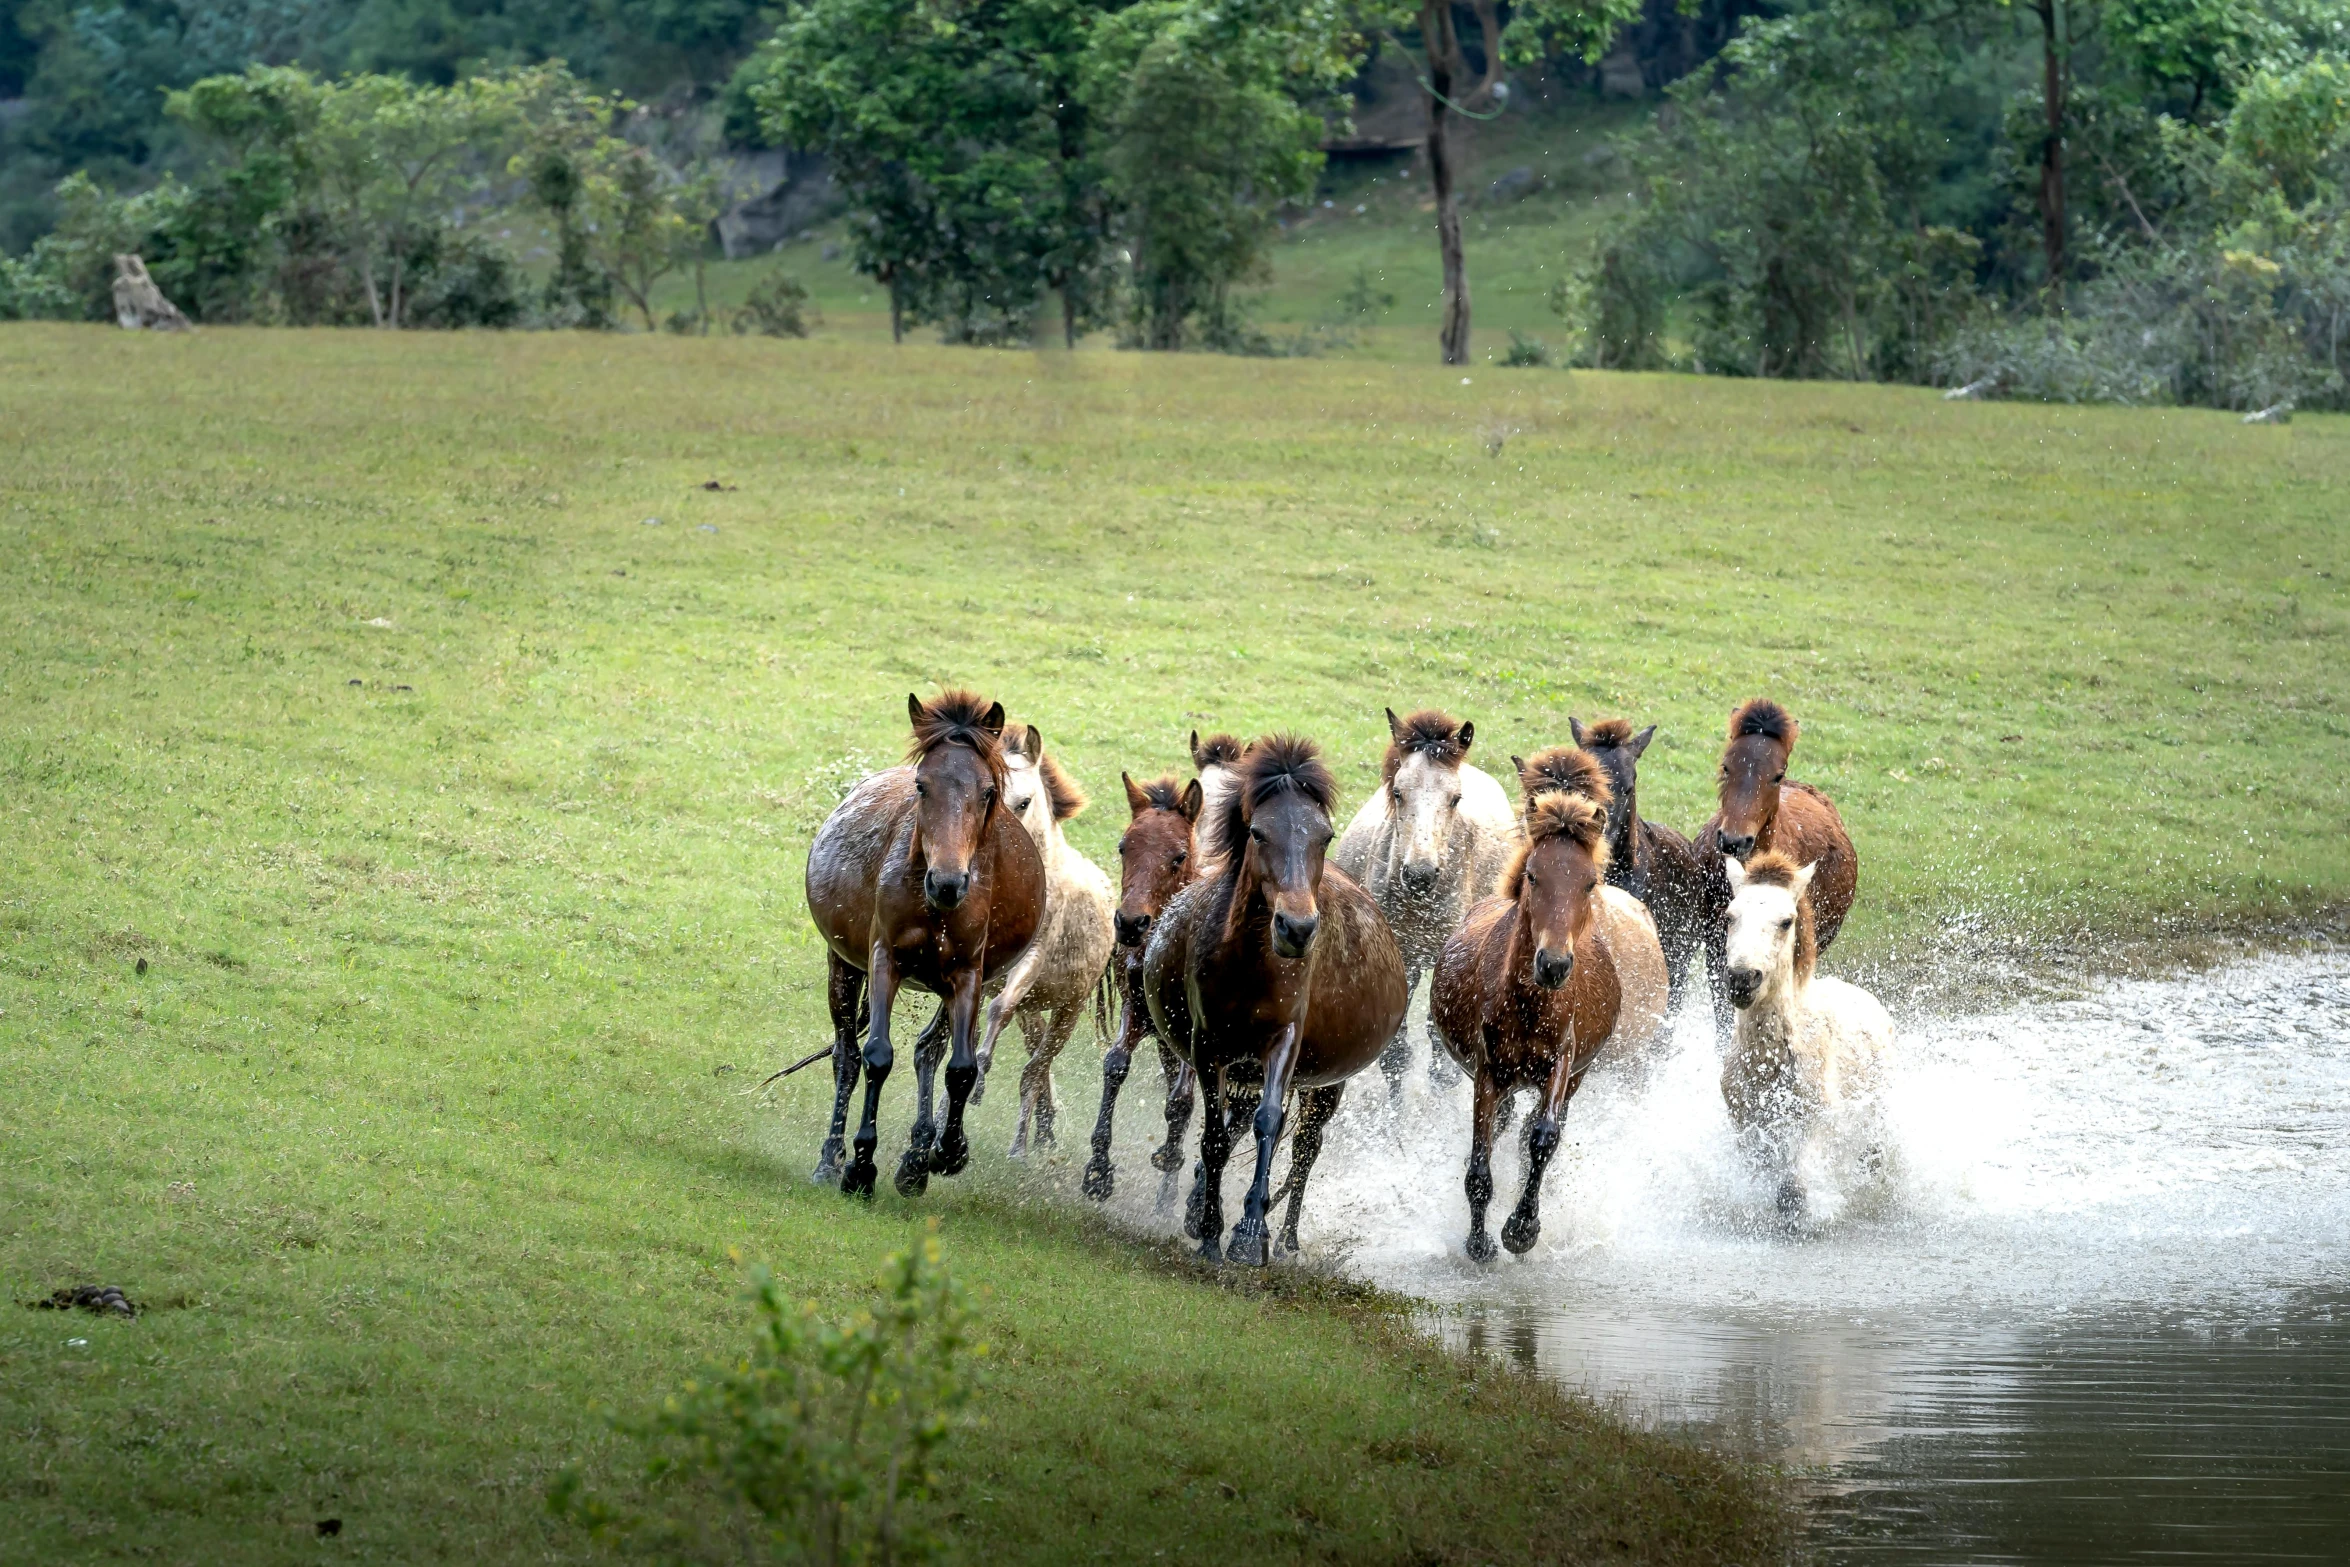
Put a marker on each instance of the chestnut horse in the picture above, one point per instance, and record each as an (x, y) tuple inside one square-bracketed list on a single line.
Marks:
[(1620, 921), (1762, 812), (921, 877), (1273, 967), (1524, 995), (1648, 859), (1157, 856)]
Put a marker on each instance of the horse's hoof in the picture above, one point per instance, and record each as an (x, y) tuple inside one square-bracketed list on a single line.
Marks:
[(1168, 1156), (954, 1153), (1209, 1251), (1288, 1241), (1251, 1247), (828, 1163), (857, 1180), (1195, 1207), (1018, 1150), (1480, 1246), (913, 1177), (979, 1088), (1520, 1234), (1100, 1180)]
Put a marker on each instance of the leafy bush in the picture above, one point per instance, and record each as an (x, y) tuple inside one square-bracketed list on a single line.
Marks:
[(1526, 353), (777, 307), (819, 1445)]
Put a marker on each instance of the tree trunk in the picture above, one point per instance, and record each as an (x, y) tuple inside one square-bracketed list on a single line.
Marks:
[(1443, 49), (375, 308), (1068, 317), (2052, 150), (897, 309)]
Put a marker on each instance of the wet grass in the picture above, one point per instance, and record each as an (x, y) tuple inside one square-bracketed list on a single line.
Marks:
[(457, 815)]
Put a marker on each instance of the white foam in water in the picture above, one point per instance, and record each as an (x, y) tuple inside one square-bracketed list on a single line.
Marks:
[(2156, 1141)]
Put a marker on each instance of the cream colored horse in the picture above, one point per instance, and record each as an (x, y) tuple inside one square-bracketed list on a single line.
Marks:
[(1067, 964), (1805, 1050)]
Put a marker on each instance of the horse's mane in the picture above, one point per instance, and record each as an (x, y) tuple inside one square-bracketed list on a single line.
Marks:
[(1554, 813), (960, 718), (1568, 769), (1163, 794), (1217, 751), (1606, 732), (1777, 870), (1764, 717), (1435, 735), (1274, 765), (1061, 789)]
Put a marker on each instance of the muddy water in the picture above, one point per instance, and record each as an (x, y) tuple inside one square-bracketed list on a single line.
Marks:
[(2090, 1304)]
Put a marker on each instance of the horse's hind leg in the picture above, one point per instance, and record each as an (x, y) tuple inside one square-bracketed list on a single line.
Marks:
[(1251, 1240), (1040, 1067), (1204, 1214), (1315, 1111), (1542, 1141), (914, 1165), (954, 1149), (844, 989), (882, 994), (1479, 1181)]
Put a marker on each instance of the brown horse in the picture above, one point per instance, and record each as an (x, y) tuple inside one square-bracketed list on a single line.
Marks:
[(1273, 968), (1158, 855), (1648, 859), (1524, 995), (921, 877), (1763, 812)]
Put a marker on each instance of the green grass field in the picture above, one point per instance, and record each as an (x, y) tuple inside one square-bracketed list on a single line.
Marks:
[(458, 814)]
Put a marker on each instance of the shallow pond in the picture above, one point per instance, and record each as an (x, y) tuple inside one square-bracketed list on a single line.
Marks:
[(2094, 1305)]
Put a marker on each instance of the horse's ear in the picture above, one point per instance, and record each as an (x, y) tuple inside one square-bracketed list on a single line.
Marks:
[(1803, 880), (1468, 734), (1193, 798), (1394, 727), (1575, 728), (1518, 766), (1034, 746), (1735, 871), (1136, 801), (1638, 743), (914, 709), (993, 723)]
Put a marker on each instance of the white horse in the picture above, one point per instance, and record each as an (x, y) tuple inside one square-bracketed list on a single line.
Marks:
[(1429, 843), (1805, 1051), (1067, 962), (1217, 761)]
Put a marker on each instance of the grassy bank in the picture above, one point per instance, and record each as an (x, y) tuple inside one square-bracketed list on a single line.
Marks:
[(457, 814)]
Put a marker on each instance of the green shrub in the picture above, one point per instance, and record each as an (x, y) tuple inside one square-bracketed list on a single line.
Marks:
[(778, 307), (1526, 353)]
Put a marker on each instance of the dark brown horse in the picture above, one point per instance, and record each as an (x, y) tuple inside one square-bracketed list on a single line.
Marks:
[(1525, 994), (921, 877), (1274, 969), (1763, 811), (1648, 859), (1158, 855)]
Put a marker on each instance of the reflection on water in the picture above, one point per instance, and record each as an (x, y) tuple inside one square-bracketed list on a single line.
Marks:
[(2097, 1308)]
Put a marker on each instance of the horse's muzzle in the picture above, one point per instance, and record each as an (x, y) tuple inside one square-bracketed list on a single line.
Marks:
[(1744, 985), (1738, 848), (945, 890), (1552, 969), (1293, 933), (1418, 880), (1132, 928)]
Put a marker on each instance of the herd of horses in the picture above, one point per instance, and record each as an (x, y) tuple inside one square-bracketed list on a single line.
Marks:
[(1272, 958)]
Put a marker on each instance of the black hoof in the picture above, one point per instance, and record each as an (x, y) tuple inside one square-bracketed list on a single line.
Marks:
[(1480, 1246), (1520, 1234), (913, 1173), (954, 1153), (1168, 1156), (1251, 1246), (1209, 1251), (857, 1180), (828, 1163), (1100, 1180)]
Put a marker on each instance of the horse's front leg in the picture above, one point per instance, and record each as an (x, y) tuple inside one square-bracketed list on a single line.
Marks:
[(914, 1165), (1036, 1079), (1182, 1087), (844, 988), (1100, 1177), (1314, 1113), (954, 1149), (1479, 1182), (1542, 1140), (1396, 1059), (881, 979), (1252, 1241), (1204, 1213)]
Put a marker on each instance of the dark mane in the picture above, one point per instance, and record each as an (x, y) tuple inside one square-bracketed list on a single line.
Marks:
[(1764, 717), (959, 718), (1275, 765), (1554, 813), (1605, 733), (1777, 870), (1435, 735), (1564, 767), (1216, 751), (1164, 794)]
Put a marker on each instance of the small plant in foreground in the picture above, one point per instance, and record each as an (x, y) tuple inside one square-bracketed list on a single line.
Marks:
[(778, 307), (1526, 353), (814, 1446)]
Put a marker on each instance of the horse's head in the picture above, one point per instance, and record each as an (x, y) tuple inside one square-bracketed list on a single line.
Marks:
[(1423, 780), (1554, 879), (1155, 852), (959, 778), (1770, 936), (1563, 769), (1617, 749), (1754, 763), (1035, 788), (1272, 832)]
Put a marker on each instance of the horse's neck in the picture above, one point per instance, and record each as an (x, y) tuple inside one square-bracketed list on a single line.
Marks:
[(1773, 1022), (1629, 847)]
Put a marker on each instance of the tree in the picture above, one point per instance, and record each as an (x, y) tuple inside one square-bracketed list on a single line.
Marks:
[(1535, 26)]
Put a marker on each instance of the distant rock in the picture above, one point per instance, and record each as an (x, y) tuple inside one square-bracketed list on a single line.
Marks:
[(781, 194)]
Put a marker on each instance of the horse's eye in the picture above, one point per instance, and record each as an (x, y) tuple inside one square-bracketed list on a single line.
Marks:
[(1180, 856), (1778, 777), (1396, 795), (1533, 880), (1788, 923), (988, 794), (921, 788), (1256, 834), (1454, 802)]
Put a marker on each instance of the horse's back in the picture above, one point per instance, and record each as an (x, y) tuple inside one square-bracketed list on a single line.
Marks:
[(1644, 985), (846, 856), (1078, 933), (1852, 1031), (1359, 995), (1814, 834)]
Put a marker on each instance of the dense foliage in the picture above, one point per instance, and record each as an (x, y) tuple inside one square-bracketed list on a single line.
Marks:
[(2132, 200)]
